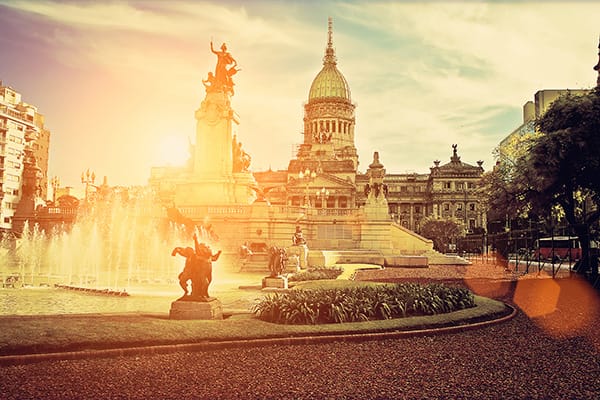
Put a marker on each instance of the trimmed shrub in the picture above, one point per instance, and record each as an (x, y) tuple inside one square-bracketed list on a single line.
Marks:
[(316, 273), (355, 304)]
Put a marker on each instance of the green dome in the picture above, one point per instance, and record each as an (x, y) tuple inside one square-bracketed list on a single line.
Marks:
[(329, 82)]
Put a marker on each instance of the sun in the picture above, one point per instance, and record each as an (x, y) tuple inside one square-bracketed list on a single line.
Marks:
[(173, 150)]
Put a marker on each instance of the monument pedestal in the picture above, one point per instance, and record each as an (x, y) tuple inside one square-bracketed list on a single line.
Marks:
[(182, 309), (301, 251), (278, 282)]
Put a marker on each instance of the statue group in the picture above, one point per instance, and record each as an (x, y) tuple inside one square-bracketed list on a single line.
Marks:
[(197, 269), (277, 261), (241, 159), (226, 67)]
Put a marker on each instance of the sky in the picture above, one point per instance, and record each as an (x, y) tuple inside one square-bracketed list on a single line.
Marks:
[(119, 81)]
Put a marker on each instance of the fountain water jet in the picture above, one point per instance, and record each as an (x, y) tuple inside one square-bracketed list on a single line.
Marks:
[(114, 245)]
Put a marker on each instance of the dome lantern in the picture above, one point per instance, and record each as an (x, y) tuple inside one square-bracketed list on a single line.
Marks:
[(329, 82)]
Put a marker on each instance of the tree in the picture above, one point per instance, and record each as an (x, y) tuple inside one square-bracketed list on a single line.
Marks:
[(503, 189), (442, 231), (554, 173), (565, 160)]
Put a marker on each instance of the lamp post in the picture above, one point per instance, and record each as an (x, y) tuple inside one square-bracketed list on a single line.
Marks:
[(55, 182), (88, 179), (307, 176)]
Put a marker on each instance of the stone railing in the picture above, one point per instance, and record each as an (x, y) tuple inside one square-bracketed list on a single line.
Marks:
[(62, 210), (312, 211), (202, 211)]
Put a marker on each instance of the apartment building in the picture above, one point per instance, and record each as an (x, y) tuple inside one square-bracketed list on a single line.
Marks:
[(21, 129)]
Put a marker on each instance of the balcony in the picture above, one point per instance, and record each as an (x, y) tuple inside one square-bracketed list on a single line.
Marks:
[(31, 134)]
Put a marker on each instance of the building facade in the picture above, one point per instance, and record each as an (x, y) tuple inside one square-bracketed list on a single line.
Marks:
[(22, 130), (324, 175), (323, 180), (532, 110)]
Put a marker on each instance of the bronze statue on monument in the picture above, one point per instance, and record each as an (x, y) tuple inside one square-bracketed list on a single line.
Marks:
[(197, 269), (226, 67)]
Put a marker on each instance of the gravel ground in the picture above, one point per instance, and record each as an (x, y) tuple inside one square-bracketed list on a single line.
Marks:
[(551, 350)]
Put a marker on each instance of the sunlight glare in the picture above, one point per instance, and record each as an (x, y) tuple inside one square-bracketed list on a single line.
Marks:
[(172, 150)]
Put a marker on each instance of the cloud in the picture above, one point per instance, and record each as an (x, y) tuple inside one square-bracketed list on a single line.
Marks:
[(423, 75)]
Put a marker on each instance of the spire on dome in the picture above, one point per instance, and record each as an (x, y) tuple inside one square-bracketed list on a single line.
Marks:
[(329, 51)]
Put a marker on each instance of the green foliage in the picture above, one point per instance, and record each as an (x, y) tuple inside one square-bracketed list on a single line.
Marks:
[(365, 303), (503, 189), (554, 171), (317, 273), (442, 231)]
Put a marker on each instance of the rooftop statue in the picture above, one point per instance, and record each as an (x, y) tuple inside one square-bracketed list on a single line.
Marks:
[(226, 67)]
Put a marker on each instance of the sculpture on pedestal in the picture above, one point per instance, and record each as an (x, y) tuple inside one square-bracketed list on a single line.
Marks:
[(299, 247), (226, 67), (298, 238), (277, 260), (197, 269), (241, 159)]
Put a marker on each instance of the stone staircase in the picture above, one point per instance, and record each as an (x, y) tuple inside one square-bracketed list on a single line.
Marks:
[(259, 262), (332, 257), (436, 258)]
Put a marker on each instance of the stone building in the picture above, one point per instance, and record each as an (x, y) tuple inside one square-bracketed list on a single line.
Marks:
[(24, 141), (339, 209), (542, 99), (325, 175)]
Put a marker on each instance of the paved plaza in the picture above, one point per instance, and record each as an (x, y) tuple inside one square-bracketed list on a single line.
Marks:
[(550, 350)]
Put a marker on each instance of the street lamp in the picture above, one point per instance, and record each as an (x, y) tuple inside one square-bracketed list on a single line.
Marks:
[(307, 176), (55, 182), (88, 179), (322, 195)]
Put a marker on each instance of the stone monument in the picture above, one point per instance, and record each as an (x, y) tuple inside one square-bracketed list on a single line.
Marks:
[(196, 303), (277, 262), (299, 248), (220, 172), (375, 231)]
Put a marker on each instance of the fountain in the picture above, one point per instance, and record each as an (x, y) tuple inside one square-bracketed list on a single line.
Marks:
[(114, 246)]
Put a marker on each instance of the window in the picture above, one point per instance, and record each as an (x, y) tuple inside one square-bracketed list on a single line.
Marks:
[(331, 202), (459, 186), (15, 139), (10, 206), (13, 178), (472, 207), (447, 185), (459, 207), (343, 202), (418, 209), (446, 207)]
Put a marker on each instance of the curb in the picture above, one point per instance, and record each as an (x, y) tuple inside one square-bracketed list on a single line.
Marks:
[(278, 341)]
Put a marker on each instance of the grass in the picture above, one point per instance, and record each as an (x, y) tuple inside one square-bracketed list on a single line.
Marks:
[(58, 333)]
